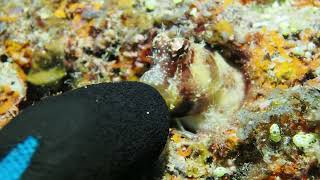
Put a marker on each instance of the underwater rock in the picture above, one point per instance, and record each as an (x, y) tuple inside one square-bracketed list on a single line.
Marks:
[(12, 91)]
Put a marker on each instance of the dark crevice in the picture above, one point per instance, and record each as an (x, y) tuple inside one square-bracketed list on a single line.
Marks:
[(308, 76), (3, 58), (246, 152), (36, 93), (232, 54), (314, 171)]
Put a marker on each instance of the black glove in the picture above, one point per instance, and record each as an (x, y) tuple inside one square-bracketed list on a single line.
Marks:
[(104, 131)]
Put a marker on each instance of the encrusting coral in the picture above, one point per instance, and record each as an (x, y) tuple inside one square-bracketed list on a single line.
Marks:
[(241, 77)]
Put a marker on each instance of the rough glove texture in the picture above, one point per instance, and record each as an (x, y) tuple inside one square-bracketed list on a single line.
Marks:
[(104, 131)]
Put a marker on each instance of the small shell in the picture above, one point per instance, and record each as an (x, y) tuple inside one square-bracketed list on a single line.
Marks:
[(275, 133), (220, 171), (304, 141)]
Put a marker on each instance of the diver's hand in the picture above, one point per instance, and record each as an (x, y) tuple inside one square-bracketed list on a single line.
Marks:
[(104, 131)]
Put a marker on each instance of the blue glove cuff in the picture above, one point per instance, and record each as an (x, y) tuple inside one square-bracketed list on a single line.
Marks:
[(18, 159)]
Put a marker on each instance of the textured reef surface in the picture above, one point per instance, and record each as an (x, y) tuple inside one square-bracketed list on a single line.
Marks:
[(241, 77)]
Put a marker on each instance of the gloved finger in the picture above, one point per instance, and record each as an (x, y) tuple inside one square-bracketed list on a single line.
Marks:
[(104, 131)]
